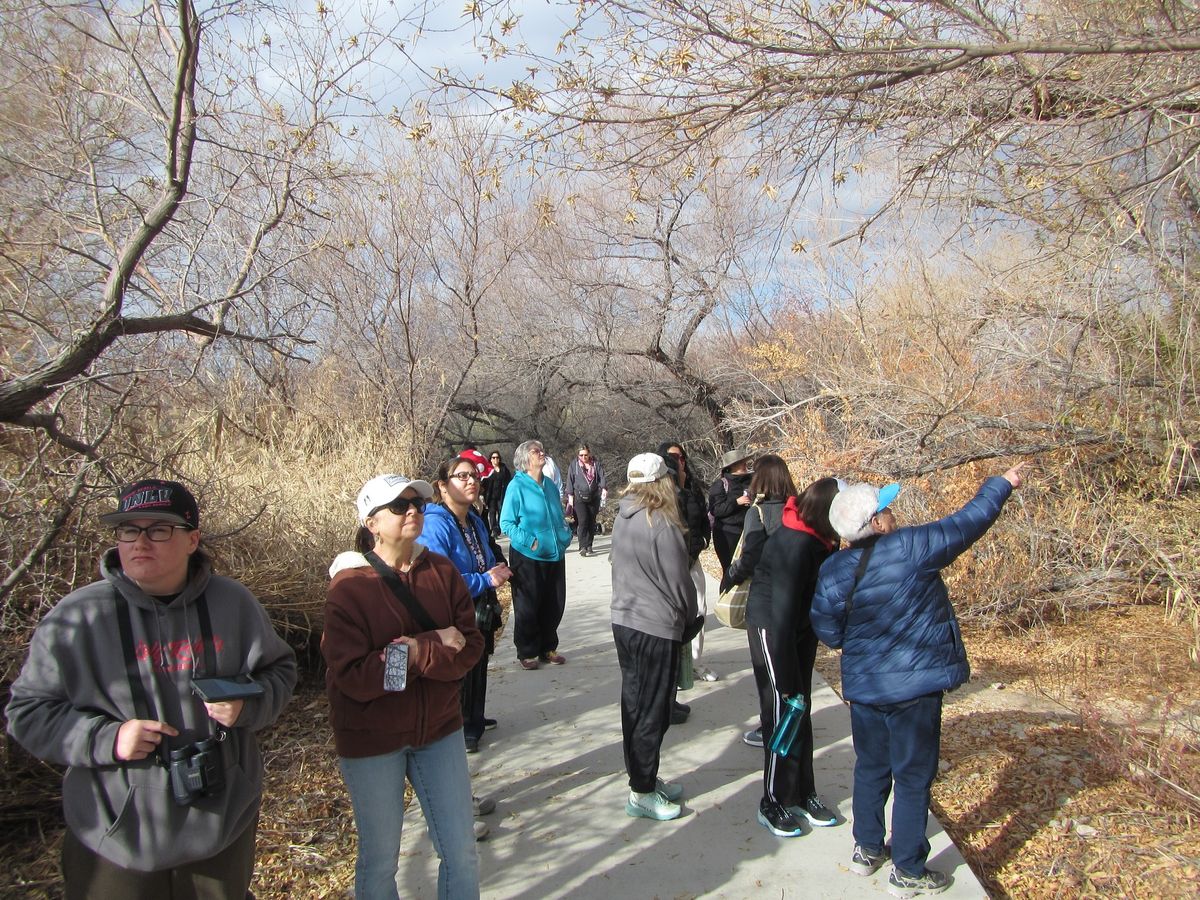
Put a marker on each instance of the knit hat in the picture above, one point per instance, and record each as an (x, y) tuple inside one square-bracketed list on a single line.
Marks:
[(852, 508)]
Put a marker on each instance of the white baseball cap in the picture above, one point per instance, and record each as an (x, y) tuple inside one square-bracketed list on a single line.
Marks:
[(646, 467), (852, 508), (383, 489)]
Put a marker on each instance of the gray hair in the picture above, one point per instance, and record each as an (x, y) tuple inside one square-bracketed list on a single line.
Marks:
[(521, 454)]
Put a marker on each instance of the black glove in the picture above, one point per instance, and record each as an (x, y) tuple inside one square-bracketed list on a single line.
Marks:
[(693, 628)]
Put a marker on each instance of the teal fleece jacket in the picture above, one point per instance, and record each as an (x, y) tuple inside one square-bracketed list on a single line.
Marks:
[(73, 695), (532, 517)]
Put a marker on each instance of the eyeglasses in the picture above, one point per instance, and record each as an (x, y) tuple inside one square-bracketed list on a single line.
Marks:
[(536, 452), (465, 477), (160, 532), (401, 505)]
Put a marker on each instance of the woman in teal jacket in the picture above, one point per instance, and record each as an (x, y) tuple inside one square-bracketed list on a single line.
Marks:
[(532, 517)]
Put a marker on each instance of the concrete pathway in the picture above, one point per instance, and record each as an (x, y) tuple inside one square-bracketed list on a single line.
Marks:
[(554, 766)]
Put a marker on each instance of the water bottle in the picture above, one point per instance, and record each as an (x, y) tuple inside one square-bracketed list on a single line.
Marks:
[(789, 726)]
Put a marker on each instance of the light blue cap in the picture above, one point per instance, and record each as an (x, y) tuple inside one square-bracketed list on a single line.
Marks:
[(887, 495)]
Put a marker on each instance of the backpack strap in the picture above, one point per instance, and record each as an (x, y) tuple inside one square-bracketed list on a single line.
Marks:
[(401, 591), (859, 571)]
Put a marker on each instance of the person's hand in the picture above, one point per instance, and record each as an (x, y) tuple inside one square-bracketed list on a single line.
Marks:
[(403, 639), (451, 637), (499, 574), (226, 712), (744, 500), (138, 738), (1014, 475)]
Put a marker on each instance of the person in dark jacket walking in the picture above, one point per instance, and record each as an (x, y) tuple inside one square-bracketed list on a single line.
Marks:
[(783, 649), (494, 488), (883, 602), (728, 499), (585, 489)]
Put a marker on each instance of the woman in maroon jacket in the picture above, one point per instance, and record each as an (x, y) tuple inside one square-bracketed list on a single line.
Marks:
[(393, 591)]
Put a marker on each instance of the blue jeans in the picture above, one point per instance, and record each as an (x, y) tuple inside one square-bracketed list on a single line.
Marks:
[(896, 743), (439, 776)]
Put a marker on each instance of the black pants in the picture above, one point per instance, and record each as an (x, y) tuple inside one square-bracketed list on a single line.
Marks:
[(787, 780), (648, 670), (539, 591), (474, 693), (724, 543), (585, 520), (493, 519), (226, 876)]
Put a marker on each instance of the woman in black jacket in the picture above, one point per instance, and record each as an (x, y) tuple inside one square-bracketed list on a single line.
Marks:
[(783, 649), (728, 499), (494, 487)]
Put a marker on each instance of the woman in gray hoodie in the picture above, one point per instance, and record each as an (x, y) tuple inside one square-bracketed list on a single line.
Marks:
[(653, 615)]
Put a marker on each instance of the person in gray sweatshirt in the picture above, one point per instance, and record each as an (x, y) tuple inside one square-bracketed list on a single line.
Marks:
[(654, 614), (162, 790)]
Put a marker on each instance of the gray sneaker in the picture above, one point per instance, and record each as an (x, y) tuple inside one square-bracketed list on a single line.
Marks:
[(651, 806), (481, 830), (928, 882), (482, 806), (864, 862), (753, 738)]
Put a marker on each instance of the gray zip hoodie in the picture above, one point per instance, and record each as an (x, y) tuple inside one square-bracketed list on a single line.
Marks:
[(73, 695), (652, 586)]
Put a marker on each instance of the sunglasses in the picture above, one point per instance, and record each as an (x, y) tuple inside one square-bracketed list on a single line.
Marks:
[(401, 505)]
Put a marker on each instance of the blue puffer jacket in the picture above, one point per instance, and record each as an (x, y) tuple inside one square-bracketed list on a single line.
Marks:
[(441, 535), (901, 638)]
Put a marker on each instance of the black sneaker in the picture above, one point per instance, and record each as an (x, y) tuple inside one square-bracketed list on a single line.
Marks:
[(489, 724), (928, 882), (753, 738), (778, 820), (864, 862), (679, 714), (816, 812)]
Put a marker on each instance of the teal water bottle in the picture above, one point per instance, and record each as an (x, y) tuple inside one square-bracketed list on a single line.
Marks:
[(789, 726)]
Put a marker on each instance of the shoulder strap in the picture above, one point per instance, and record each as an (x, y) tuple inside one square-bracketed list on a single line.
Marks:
[(400, 589), (858, 574), (141, 702), (206, 635)]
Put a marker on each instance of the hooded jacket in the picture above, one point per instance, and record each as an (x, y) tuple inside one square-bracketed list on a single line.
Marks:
[(576, 484), (762, 520), (782, 590), (73, 695), (533, 513), (652, 586), (362, 616), (899, 637)]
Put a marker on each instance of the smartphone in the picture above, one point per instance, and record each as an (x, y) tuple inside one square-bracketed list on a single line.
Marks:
[(395, 667), (233, 687)]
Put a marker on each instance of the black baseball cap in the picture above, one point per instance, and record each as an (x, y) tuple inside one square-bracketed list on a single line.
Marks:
[(153, 498)]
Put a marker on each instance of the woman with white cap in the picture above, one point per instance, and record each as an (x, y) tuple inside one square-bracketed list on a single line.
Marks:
[(653, 616), (396, 715)]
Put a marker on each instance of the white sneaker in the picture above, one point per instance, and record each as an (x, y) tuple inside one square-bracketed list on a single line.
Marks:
[(705, 674), (651, 806), (481, 830)]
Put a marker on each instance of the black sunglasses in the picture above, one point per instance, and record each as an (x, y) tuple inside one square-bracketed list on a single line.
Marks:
[(401, 505)]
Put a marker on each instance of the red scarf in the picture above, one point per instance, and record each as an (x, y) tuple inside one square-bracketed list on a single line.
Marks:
[(792, 520)]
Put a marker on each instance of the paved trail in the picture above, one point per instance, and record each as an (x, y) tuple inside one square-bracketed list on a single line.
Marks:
[(555, 768)]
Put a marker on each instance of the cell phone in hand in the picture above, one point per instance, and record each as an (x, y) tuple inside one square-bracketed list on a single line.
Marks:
[(221, 690), (395, 667)]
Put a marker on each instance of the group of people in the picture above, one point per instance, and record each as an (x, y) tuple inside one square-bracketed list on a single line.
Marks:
[(151, 683), (880, 599)]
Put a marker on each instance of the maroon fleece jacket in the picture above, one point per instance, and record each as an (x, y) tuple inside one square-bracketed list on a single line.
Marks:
[(362, 616)]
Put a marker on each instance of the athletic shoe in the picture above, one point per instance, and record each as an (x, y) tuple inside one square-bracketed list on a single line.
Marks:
[(682, 707), (651, 806), (705, 674), (753, 738), (928, 882), (481, 830), (816, 812), (489, 724), (483, 806), (585, 552), (554, 657), (678, 716), (778, 820), (472, 744), (864, 862), (529, 664), (671, 791)]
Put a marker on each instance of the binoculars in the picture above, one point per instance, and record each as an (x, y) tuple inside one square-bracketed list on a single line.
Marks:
[(197, 770)]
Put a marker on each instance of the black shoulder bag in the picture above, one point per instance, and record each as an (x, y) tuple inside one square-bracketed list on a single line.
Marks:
[(401, 591), (858, 574)]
